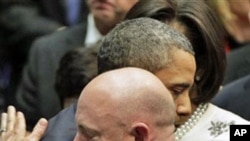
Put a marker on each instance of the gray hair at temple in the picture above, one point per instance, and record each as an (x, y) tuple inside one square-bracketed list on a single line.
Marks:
[(140, 43)]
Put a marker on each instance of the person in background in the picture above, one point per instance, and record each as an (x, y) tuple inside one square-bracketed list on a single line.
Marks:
[(76, 68), (235, 97), (103, 112), (235, 20), (237, 23), (36, 95), (22, 22)]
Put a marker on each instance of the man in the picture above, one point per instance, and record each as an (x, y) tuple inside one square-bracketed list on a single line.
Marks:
[(147, 44), (36, 95), (123, 105)]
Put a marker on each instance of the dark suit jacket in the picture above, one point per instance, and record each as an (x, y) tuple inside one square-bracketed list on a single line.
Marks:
[(235, 97), (238, 64), (23, 21), (36, 95), (62, 127)]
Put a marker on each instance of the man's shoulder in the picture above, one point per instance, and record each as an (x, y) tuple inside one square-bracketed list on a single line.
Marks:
[(60, 41), (71, 35), (237, 87), (66, 114), (62, 126)]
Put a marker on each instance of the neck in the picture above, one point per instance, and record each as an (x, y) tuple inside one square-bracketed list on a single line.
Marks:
[(102, 27)]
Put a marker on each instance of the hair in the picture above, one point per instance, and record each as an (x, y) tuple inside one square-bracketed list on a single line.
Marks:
[(77, 67), (162, 9), (140, 43), (198, 23)]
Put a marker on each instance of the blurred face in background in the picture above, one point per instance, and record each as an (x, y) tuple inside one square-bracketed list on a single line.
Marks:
[(110, 11), (240, 8)]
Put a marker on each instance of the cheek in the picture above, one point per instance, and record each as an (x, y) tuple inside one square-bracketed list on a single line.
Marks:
[(193, 92)]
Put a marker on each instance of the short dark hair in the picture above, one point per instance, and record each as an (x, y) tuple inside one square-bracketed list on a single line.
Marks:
[(77, 67), (144, 43)]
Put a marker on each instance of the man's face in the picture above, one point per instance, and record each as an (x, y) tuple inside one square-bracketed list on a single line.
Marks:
[(96, 119), (110, 11), (179, 78)]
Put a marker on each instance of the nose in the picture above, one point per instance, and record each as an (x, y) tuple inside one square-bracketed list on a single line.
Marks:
[(183, 105)]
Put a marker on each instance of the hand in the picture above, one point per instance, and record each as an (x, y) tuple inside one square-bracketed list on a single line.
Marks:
[(13, 127)]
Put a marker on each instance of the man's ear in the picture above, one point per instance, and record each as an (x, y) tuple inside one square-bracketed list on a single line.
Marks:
[(140, 131)]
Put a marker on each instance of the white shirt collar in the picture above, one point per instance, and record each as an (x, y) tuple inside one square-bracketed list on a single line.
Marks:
[(93, 35)]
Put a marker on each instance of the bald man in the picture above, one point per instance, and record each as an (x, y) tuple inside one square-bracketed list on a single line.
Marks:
[(128, 104)]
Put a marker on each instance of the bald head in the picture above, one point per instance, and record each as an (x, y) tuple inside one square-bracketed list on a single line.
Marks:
[(124, 96)]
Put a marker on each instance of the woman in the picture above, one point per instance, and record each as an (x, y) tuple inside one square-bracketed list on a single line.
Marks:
[(197, 21)]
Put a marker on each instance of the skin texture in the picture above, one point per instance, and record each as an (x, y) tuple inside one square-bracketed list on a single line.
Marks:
[(179, 78), (107, 13), (15, 125), (134, 106)]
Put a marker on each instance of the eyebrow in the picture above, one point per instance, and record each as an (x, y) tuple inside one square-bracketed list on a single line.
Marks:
[(184, 85), (88, 131)]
